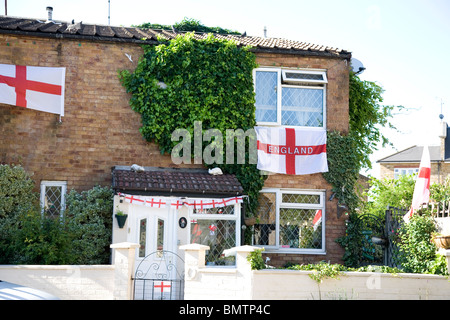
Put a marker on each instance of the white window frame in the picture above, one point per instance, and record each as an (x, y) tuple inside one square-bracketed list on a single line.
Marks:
[(62, 184), (277, 248), (236, 217), (321, 85), (293, 80)]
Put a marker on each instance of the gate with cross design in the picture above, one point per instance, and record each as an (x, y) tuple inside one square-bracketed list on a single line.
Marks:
[(159, 276)]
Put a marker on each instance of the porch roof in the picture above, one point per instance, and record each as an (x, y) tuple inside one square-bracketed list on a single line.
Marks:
[(174, 181)]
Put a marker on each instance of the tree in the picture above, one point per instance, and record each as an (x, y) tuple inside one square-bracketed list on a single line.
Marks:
[(187, 24)]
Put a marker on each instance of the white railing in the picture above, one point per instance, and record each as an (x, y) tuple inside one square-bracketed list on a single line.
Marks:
[(440, 209)]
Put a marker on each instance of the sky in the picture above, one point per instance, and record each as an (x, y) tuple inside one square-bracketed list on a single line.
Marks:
[(403, 44)]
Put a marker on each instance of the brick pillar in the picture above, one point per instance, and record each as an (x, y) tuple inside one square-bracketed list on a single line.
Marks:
[(124, 257), (194, 258)]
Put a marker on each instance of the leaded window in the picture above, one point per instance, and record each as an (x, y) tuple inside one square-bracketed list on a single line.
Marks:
[(53, 195), (291, 221), (218, 229)]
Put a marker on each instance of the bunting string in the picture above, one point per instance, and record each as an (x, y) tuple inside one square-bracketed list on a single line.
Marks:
[(177, 203)]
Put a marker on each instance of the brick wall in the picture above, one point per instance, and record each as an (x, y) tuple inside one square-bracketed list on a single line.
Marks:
[(439, 171), (99, 129), (337, 119)]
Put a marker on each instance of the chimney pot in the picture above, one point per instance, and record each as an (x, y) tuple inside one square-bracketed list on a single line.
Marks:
[(49, 13)]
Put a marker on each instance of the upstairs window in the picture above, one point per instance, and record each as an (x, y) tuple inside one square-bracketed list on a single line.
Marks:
[(290, 97)]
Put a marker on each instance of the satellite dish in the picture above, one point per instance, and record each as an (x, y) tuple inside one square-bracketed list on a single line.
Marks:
[(357, 66)]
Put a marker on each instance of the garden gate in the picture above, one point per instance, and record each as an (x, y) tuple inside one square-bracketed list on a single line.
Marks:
[(378, 237), (159, 276), (394, 221), (373, 240)]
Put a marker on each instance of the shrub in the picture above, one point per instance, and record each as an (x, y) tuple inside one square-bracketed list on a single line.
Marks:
[(29, 237), (16, 190), (256, 260), (89, 223), (417, 250)]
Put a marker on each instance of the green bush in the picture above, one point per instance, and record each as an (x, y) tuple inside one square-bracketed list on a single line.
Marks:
[(16, 190), (417, 250), (27, 236), (30, 238), (89, 224), (256, 260)]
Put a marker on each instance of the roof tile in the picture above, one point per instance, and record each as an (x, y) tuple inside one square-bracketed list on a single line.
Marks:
[(55, 28), (175, 181)]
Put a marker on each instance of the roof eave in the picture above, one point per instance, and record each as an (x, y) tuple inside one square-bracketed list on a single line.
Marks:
[(256, 49), (341, 55)]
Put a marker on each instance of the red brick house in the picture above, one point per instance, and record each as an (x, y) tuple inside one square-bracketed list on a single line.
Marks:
[(98, 139)]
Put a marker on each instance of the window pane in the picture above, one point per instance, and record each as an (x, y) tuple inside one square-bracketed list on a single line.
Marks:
[(53, 201), (160, 235), (142, 236), (266, 213), (301, 228), (303, 76), (302, 107), (266, 96), (219, 235), (300, 198), (223, 210)]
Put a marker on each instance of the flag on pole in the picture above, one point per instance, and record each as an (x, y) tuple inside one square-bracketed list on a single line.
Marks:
[(37, 88), (291, 150), (422, 187)]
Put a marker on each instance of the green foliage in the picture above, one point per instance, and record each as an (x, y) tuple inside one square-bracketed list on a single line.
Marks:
[(343, 168), (348, 154), (380, 269), (351, 242), (367, 116), (389, 192), (207, 80), (440, 192), (27, 236), (16, 190), (256, 260), (321, 270), (417, 250), (89, 224), (187, 24)]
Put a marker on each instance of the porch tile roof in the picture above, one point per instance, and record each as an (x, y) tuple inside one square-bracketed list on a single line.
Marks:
[(80, 30), (174, 181)]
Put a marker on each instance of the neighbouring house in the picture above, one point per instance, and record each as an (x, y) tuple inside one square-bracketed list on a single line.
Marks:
[(97, 141), (407, 161)]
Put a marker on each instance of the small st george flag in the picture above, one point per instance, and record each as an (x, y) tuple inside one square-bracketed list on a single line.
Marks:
[(37, 88)]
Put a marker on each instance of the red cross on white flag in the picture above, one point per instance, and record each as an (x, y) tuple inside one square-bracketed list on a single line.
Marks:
[(421, 193), (291, 150), (162, 286), (37, 88)]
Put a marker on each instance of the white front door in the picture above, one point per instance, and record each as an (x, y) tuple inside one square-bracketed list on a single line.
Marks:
[(154, 231), (157, 267)]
